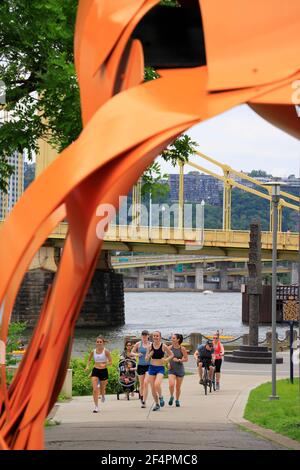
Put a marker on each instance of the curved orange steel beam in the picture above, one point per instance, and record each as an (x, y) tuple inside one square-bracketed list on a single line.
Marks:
[(127, 123)]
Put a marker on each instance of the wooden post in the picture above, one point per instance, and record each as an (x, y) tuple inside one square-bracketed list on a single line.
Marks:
[(255, 280), (196, 339)]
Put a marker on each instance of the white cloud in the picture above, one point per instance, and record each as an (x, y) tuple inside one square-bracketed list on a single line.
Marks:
[(245, 141)]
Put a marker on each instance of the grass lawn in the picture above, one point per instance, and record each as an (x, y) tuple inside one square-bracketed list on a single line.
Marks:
[(283, 415)]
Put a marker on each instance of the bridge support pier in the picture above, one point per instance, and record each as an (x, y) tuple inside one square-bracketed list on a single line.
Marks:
[(223, 277), (199, 277), (236, 284), (104, 303), (171, 278), (141, 278), (295, 278)]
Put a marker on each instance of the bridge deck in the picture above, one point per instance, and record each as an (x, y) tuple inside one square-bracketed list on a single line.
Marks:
[(229, 243), (233, 243)]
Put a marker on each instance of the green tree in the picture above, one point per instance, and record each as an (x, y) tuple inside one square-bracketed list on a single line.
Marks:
[(37, 67), (259, 174)]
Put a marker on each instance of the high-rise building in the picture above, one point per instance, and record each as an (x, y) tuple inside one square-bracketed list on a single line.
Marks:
[(15, 185)]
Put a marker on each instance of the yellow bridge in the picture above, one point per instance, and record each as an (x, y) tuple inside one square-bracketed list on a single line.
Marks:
[(228, 243), (179, 240)]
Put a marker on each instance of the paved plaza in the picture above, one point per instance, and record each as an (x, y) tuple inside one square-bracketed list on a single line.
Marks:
[(214, 421)]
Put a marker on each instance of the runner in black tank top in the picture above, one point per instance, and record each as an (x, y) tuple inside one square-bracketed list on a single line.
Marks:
[(156, 354)]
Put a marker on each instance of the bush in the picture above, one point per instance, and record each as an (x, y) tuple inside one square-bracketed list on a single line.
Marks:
[(14, 341), (82, 380)]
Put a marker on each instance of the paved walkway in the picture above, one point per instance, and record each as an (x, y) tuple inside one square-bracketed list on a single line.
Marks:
[(202, 422)]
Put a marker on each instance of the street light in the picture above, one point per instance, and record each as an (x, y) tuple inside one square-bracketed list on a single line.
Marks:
[(275, 193)]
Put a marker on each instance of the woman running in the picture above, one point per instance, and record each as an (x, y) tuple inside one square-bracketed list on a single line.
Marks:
[(140, 350), (176, 368), (102, 359), (217, 355), (156, 353)]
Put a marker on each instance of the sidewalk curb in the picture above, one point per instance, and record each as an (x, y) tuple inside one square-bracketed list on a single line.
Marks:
[(236, 416), (53, 412)]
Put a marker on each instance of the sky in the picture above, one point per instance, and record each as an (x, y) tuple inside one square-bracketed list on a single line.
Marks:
[(245, 141)]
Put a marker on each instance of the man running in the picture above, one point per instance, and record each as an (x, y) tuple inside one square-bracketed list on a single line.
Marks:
[(204, 356)]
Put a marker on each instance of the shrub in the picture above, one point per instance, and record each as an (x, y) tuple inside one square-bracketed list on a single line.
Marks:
[(14, 340), (82, 380)]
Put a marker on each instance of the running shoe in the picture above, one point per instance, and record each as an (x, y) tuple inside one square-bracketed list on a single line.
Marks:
[(161, 401), (177, 403), (156, 407), (96, 409), (171, 401), (143, 404), (217, 386), (201, 382), (103, 398)]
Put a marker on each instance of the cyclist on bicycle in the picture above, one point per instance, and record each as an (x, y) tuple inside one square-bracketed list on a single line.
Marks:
[(204, 357)]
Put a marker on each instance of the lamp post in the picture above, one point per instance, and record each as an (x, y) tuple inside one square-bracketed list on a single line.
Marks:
[(275, 192)]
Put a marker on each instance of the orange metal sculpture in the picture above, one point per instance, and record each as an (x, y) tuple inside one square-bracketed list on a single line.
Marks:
[(223, 54)]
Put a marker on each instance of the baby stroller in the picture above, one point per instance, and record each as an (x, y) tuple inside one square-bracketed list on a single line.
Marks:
[(127, 378)]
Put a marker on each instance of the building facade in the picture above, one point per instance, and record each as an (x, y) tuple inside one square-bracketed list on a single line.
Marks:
[(197, 187)]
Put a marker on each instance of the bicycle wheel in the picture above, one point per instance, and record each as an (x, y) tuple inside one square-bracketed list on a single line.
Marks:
[(205, 381)]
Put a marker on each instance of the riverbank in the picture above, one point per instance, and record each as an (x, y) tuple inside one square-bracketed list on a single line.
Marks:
[(177, 289), (170, 312)]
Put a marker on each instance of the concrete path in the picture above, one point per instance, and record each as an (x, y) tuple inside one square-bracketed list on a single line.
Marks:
[(202, 422)]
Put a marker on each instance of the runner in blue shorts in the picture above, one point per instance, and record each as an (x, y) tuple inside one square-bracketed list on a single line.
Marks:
[(156, 353)]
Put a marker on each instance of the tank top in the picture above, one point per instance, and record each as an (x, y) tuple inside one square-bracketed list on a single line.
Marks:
[(142, 359), (158, 353), (218, 350), (177, 366), (100, 357)]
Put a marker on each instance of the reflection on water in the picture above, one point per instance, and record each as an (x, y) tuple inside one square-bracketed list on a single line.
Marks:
[(182, 312)]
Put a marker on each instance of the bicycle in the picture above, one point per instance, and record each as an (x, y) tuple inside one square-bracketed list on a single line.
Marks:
[(207, 383)]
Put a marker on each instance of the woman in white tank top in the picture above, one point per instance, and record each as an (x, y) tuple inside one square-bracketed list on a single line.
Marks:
[(102, 359)]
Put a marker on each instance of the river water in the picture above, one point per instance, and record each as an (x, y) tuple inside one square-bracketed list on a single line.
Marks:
[(173, 312)]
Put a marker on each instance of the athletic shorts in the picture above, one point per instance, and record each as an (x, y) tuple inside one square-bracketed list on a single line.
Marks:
[(154, 370), (141, 370), (177, 373), (205, 362), (101, 374), (218, 363)]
